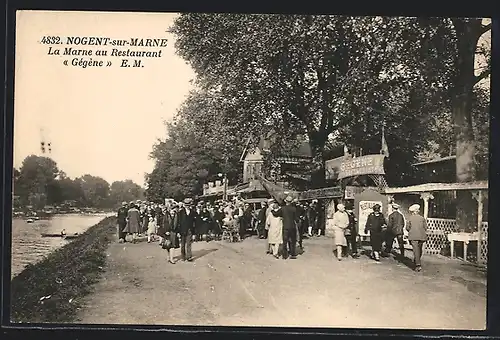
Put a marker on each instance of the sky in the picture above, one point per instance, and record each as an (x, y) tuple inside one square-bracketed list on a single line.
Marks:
[(101, 121)]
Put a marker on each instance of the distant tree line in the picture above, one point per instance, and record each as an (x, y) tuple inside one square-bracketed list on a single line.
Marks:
[(39, 182)]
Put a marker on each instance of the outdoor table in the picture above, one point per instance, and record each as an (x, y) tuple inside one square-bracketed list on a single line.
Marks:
[(462, 237)]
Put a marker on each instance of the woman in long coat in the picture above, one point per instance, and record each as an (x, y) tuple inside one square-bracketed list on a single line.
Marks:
[(203, 223), (161, 232), (267, 223), (275, 233), (169, 230), (375, 224), (218, 221), (159, 213), (145, 220), (340, 223), (133, 222)]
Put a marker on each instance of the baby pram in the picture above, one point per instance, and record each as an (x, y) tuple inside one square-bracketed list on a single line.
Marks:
[(230, 231)]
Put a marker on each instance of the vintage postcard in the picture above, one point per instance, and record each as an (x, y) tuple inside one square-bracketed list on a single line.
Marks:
[(250, 170)]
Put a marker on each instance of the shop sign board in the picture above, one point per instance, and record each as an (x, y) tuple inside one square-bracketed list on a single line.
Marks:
[(330, 192), (365, 208), (332, 167), (364, 165)]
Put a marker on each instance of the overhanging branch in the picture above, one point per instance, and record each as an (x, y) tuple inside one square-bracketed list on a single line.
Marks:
[(485, 28), (485, 73)]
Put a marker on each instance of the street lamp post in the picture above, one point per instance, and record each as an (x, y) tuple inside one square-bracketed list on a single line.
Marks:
[(224, 195), (224, 183)]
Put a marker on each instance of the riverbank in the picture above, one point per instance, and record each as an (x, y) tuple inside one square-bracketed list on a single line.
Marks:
[(51, 290), (29, 247)]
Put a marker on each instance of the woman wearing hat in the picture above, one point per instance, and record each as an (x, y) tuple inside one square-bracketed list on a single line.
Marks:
[(340, 224), (203, 222), (145, 220), (218, 221), (375, 224), (169, 232), (133, 222), (122, 221), (275, 234), (269, 215), (417, 234)]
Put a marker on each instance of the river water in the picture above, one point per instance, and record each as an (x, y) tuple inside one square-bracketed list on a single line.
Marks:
[(29, 247)]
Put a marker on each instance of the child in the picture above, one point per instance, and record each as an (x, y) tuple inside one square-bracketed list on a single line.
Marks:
[(151, 228)]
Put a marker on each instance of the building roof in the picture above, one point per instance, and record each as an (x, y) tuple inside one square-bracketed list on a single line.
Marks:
[(303, 150), (434, 161)]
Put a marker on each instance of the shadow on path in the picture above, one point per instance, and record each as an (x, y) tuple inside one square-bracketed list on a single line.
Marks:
[(407, 262), (198, 253), (475, 287)]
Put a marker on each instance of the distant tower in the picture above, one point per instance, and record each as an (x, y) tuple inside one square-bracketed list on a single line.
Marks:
[(45, 147)]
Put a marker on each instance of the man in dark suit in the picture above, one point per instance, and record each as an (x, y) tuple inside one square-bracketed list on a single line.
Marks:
[(186, 226), (261, 220), (290, 218), (301, 221), (122, 221), (395, 227), (312, 218), (351, 234)]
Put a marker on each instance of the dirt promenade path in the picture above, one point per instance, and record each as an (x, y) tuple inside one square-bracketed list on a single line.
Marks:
[(237, 284)]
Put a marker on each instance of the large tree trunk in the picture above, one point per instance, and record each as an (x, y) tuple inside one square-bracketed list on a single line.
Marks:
[(465, 166), (467, 36), (317, 144)]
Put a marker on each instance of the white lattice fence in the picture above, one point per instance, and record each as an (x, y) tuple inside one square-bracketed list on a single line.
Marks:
[(437, 229), (483, 251), (437, 240)]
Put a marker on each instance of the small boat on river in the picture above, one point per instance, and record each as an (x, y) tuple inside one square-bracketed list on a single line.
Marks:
[(61, 234), (52, 235), (75, 235)]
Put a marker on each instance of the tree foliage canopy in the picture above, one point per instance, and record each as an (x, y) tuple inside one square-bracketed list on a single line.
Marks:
[(331, 78)]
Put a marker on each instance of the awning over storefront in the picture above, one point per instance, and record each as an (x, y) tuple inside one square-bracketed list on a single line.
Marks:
[(331, 192), (211, 194), (246, 190), (277, 192), (479, 185), (235, 190)]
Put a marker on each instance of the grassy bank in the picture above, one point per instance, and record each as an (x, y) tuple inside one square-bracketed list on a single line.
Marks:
[(63, 278)]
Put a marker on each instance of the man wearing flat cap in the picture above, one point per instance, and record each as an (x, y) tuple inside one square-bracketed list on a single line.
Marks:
[(186, 226), (417, 234), (395, 227), (375, 224), (289, 214)]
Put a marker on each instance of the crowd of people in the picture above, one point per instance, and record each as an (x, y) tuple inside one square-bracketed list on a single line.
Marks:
[(177, 224), (383, 231)]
